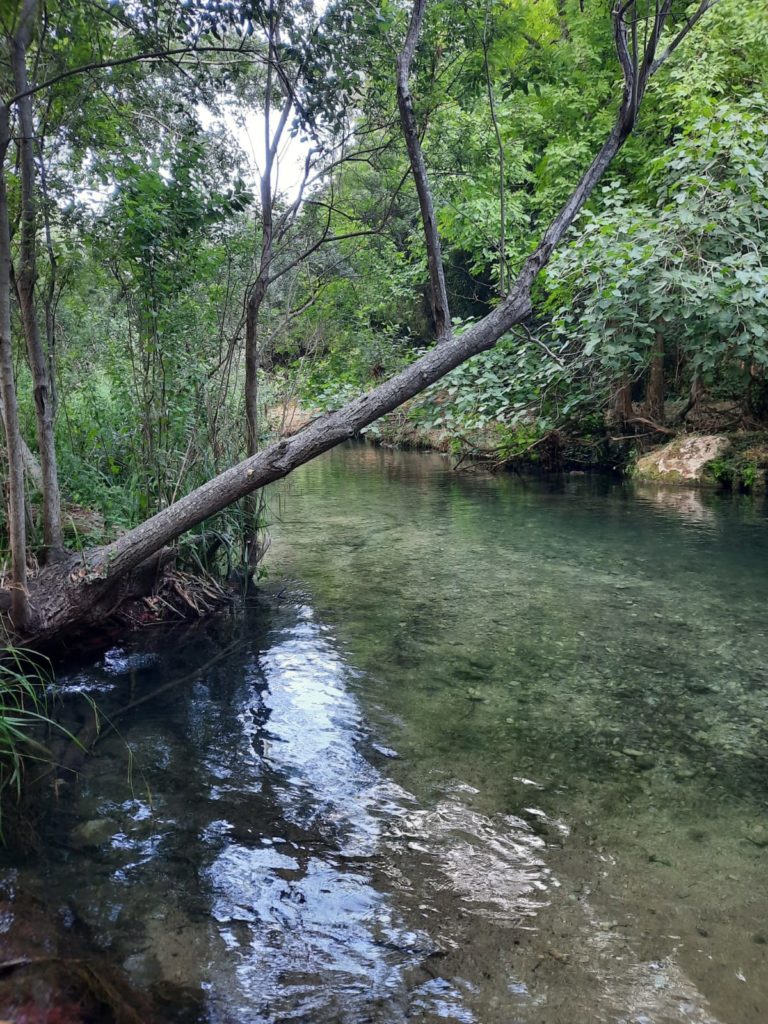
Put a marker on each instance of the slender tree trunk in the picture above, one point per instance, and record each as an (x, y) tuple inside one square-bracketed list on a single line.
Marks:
[(439, 293), (26, 280), (50, 290), (31, 466), (16, 521), (622, 402), (655, 389), (253, 504), (255, 301), (259, 289), (695, 396), (252, 351), (502, 173)]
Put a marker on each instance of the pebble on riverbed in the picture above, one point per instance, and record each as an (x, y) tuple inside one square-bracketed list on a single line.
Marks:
[(640, 758)]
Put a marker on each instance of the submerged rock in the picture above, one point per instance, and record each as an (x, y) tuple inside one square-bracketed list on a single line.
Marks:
[(758, 835), (682, 461), (640, 758), (92, 833)]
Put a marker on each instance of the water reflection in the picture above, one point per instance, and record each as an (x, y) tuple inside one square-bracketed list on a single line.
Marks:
[(311, 935)]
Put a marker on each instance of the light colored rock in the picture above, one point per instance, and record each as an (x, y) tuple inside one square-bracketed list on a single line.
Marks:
[(682, 460)]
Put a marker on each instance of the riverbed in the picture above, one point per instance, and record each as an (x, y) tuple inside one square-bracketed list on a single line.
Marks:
[(482, 750)]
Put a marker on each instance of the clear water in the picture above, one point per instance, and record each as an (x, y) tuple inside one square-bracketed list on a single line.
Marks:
[(485, 751)]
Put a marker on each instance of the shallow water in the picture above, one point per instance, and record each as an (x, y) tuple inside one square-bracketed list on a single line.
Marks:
[(484, 751)]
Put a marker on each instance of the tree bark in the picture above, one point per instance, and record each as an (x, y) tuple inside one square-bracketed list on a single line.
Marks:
[(26, 280), (17, 530), (654, 398), (255, 301), (32, 470), (622, 402), (502, 173), (260, 287)]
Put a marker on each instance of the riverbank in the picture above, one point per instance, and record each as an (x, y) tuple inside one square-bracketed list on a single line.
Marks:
[(698, 455), (729, 460)]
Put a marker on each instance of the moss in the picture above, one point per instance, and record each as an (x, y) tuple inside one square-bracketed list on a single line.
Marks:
[(745, 466)]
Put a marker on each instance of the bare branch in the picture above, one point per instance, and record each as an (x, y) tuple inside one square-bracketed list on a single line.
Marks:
[(137, 58), (700, 11)]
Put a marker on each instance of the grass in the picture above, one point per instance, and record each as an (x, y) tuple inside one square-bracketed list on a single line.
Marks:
[(25, 684)]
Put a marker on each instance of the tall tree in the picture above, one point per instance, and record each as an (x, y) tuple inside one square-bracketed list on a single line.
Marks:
[(19, 603)]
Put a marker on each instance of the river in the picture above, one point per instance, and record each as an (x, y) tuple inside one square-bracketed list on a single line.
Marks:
[(483, 750)]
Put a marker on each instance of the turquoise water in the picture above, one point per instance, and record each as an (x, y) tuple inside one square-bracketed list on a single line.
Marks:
[(484, 750)]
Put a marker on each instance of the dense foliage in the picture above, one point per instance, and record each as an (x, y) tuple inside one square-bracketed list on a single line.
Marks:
[(668, 261)]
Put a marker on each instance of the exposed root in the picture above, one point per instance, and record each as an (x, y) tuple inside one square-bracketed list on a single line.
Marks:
[(177, 595)]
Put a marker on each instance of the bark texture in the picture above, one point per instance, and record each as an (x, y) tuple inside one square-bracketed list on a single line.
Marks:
[(622, 403), (438, 291), (655, 389)]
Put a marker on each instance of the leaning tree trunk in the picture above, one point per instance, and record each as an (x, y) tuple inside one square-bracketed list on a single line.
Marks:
[(26, 280), (85, 587)]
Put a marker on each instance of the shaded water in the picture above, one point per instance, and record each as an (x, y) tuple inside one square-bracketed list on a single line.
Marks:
[(484, 751)]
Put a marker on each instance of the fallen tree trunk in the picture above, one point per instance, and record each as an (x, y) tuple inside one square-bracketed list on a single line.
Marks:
[(86, 588)]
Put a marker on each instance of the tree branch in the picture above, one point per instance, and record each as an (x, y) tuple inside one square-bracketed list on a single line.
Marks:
[(699, 13), (137, 58)]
